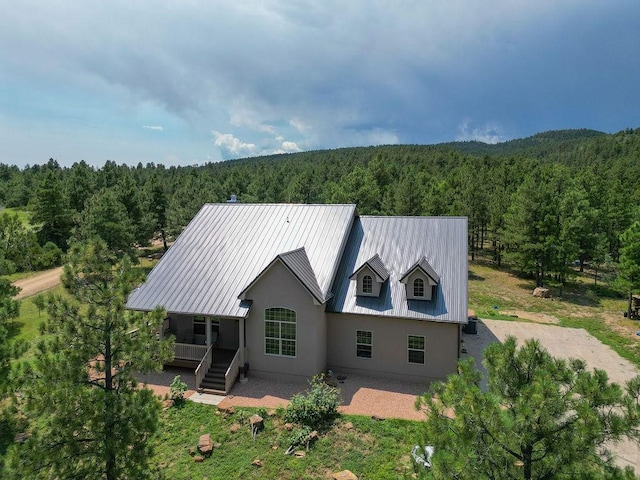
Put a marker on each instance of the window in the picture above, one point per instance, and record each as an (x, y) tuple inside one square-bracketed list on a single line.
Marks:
[(418, 287), (367, 284), (415, 346), (199, 326), (280, 332), (364, 343)]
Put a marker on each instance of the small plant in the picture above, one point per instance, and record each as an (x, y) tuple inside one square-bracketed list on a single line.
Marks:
[(176, 390), (262, 412), (316, 407), (298, 437)]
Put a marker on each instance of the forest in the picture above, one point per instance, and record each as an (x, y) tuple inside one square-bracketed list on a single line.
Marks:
[(544, 204)]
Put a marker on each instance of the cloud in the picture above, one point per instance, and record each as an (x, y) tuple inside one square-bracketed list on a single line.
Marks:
[(153, 127), (488, 133), (326, 75), (232, 146)]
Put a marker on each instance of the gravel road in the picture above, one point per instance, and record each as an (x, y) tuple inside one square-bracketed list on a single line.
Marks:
[(38, 283)]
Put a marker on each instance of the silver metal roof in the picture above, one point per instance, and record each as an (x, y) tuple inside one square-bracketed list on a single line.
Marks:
[(423, 265), (399, 241), (226, 246), (376, 264)]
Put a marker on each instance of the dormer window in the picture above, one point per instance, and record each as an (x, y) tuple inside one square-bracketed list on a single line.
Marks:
[(367, 284), (420, 280), (418, 287), (369, 277)]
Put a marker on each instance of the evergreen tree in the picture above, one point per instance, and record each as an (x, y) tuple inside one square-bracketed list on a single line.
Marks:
[(51, 213), (629, 266), (540, 418), (88, 416), (9, 310), (105, 217)]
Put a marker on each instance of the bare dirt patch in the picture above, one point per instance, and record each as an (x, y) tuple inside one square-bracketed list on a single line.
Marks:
[(532, 316)]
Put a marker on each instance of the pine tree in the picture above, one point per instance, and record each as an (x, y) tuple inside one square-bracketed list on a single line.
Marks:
[(539, 418), (89, 418)]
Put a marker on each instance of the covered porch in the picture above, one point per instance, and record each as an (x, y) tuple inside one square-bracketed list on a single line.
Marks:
[(211, 346)]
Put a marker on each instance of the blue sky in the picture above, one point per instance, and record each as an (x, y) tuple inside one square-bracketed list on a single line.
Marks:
[(186, 82)]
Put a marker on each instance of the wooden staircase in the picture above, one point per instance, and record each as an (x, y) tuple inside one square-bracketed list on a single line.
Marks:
[(214, 381)]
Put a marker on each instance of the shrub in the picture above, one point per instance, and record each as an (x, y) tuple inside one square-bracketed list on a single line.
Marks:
[(177, 389), (316, 407)]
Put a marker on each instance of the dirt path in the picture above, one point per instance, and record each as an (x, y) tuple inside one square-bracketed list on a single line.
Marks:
[(38, 283)]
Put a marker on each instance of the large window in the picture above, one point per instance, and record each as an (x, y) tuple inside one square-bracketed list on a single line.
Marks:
[(364, 343), (367, 284), (418, 287), (415, 347), (280, 332)]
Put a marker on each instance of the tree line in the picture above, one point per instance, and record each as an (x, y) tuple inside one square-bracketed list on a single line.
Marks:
[(542, 204)]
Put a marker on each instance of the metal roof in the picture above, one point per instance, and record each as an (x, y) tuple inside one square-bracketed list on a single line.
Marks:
[(399, 241), (378, 267), (226, 246), (423, 265)]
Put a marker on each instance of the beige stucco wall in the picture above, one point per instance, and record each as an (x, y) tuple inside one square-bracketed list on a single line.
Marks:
[(279, 288), (389, 354)]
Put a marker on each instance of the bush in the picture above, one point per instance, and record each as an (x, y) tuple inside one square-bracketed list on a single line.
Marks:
[(176, 390), (316, 407)]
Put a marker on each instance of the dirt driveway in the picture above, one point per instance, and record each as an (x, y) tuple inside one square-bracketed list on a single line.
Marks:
[(561, 342), (38, 283)]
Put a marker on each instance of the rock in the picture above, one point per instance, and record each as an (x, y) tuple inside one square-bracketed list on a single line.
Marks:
[(348, 426), (198, 459), (377, 418), (234, 428), (272, 413), (229, 410), (256, 463), (344, 475), (300, 453), (288, 427), (217, 445), (21, 437), (541, 292), (313, 436), (274, 447), (167, 404), (257, 422), (205, 444), (192, 451)]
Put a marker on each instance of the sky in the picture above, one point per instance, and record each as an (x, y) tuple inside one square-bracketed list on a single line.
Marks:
[(186, 82)]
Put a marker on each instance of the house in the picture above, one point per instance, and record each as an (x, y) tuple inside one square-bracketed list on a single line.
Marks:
[(293, 290)]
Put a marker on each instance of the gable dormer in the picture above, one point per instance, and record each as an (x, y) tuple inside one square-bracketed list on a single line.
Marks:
[(420, 280), (370, 276)]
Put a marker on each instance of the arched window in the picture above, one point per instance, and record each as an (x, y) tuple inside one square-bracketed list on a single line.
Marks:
[(280, 332), (418, 287), (367, 284)]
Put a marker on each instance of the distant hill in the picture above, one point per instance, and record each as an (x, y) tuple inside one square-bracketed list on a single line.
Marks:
[(537, 146)]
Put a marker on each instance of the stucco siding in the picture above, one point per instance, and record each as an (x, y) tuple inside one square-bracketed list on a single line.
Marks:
[(279, 288), (389, 350)]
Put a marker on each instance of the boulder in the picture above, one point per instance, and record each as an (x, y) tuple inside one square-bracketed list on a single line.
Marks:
[(198, 459), (300, 453), (257, 463), (205, 444), (541, 292), (343, 475), (288, 427), (228, 410)]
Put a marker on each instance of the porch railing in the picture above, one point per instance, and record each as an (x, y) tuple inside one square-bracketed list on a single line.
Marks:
[(204, 365), (232, 372), (187, 351)]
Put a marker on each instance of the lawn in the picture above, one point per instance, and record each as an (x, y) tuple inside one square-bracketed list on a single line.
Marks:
[(372, 449)]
